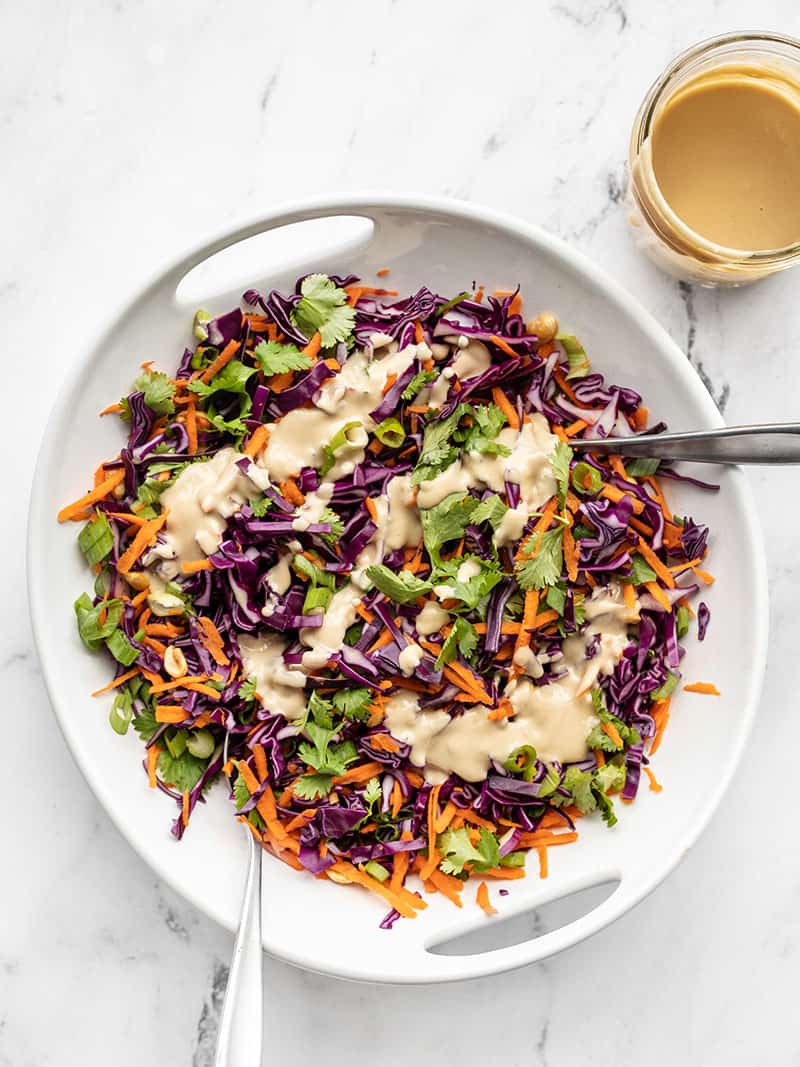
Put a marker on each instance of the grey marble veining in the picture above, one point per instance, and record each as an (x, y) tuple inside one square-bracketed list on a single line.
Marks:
[(128, 129)]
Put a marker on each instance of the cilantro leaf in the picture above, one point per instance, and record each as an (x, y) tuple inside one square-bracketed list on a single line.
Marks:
[(321, 755), (463, 637), (337, 526), (445, 521), (487, 422), (438, 450), (353, 703), (579, 783), (418, 383), (184, 772), (241, 794), (560, 461), (537, 572), (323, 308), (551, 782), (158, 392), (373, 792), (312, 786), (403, 587), (247, 690), (233, 378), (491, 510), (145, 723), (276, 358), (457, 850), (610, 777), (470, 591), (260, 506), (489, 849)]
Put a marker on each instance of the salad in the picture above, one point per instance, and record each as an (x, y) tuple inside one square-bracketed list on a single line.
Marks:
[(349, 563)]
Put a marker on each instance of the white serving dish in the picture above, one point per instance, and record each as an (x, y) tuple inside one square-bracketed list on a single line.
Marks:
[(313, 923)]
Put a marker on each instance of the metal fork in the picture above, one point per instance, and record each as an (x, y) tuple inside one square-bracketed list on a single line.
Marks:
[(765, 443)]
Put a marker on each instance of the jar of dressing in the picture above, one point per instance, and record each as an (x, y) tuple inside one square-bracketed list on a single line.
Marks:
[(714, 161)]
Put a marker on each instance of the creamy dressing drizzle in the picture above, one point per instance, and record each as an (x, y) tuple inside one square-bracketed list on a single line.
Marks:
[(528, 466), (323, 641), (297, 440), (555, 719), (473, 359), (280, 687)]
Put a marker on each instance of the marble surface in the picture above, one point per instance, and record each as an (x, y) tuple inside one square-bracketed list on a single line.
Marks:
[(130, 128)]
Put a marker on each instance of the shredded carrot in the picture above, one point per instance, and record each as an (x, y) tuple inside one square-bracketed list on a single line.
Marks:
[(196, 565), (359, 774), (502, 345), (571, 554), (365, 613), (704, 576), (544, 617), (661, 570), (279, 382), (291, 491), (314, 345), (543, 868), (505, 405), (446, 817), (655, 590), (222, 360), (390, 380), (660, 713), (126, 677), (706, 688), (528, 615), (610, 730), (185, 808), (504, 873), (152, 762), (433, 814), (468, 815), (400, 900), (258, 439), (629, 596), (170, 713), (384, 638), (599, 757), (482, 899), (655, 785), (191, 428), (213, 641), (400, 864), (575, 427), (76, 510), (504, 710), (639, 418), (610, 492), (371, 508), (143, 539), (396, 798), (382, 272), (542, 525), (448, 886)]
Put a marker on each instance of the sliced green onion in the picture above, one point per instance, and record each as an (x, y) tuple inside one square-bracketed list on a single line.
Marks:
[(513, 859), (200, 743), (175, 740), (643, 468), (345, 436), (585, 478), (682, 621), (121, 649), (318, 596), (390, 433), (376, 871), (577, 358), (528, 765), (121, 713), (667, 689), (96, 539), (200, 325)]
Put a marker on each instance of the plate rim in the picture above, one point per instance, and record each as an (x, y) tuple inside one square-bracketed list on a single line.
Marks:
[(361, 203)]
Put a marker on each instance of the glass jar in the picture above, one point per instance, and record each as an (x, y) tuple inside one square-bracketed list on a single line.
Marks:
[(658, 230)]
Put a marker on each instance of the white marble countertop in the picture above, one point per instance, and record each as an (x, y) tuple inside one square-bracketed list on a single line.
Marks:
[(131, 128)]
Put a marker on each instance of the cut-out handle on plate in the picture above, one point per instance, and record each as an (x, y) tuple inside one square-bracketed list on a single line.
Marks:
[(282, 245), (572, 910)]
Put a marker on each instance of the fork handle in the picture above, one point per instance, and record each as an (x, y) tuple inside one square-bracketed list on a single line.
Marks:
[(767, 443), (240, 1029)]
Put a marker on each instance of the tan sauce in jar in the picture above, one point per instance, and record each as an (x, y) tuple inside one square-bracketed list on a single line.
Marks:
[(726, 157)]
